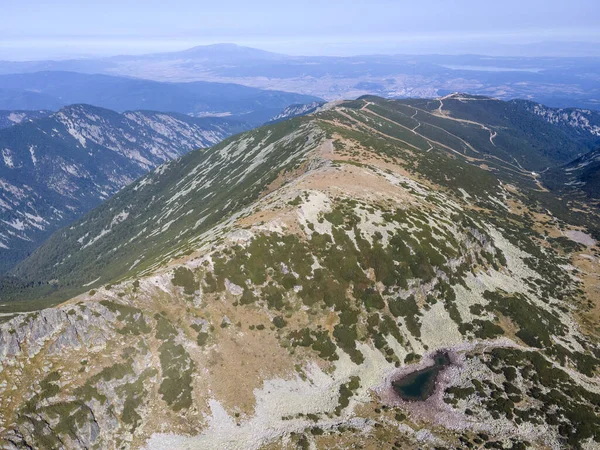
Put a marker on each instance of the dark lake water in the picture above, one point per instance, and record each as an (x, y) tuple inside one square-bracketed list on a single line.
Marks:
[(420, 384)]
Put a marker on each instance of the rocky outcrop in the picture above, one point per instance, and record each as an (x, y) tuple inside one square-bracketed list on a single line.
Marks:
[(70, 327), (583, 120)]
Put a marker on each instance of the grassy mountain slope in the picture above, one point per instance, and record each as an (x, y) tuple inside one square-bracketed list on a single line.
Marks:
[(267, 292), (55, 169), (180, 200), (296, 110), (531, 143)]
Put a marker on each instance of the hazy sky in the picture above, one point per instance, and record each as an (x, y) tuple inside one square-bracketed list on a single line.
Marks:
[(61, 28)]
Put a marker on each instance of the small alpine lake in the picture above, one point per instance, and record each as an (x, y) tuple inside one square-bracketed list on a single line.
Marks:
[(420, 384)]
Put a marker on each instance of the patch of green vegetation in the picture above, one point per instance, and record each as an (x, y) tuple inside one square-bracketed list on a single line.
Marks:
[(164, 328), (203, 336), (210, 284), (265, 251), (585, 363), (176, 365), (380, 325), (177, 368), (279, 321), (412, 357), (477, 309), (346, 334), (457, 393), (299, 441), (50, 422), (132, 317), (184, 277), (484, 329), (319, 341), (372, 299), (409, 310), (134, 394), (536, 325), (346, 391), (48, 386), (567, 406), (117, 371), (297, 201)]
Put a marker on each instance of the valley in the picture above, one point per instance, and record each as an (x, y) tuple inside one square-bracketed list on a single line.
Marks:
[(58, 166)]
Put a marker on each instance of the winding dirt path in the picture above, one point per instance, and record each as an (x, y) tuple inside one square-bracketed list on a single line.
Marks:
[(373, 130), (441, 106), (446, 115), (507, 165)]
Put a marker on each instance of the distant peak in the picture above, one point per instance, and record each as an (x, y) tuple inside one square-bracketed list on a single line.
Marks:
[(229, 49), (221, 46)]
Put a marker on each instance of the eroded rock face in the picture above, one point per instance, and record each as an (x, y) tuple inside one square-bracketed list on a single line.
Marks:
[(583, 120), (71, 402), (41, 429), (83, 326)]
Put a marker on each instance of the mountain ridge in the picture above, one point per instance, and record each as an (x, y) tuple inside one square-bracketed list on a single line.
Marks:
[(354, 249), (222, 51), (548, 80), (579, 177), (514, 156)]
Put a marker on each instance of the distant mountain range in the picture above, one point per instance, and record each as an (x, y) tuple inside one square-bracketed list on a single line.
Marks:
[(54, 169), (216, 53), (554, 81), (53, 90)]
